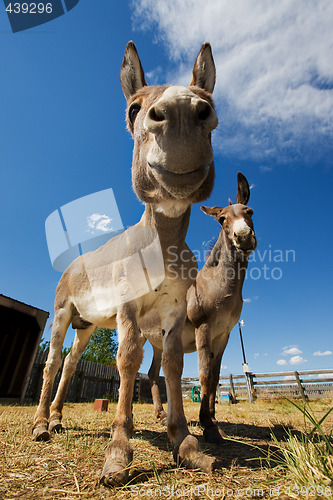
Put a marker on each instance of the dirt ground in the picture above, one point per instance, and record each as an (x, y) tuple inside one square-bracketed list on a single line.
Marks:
[(68, 467)]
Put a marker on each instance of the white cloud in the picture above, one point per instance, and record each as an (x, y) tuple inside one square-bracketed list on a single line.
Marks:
[(250, 299), (256, 355), (265, 168), (154, 75), (99, 222), (297, 360), (281, 362), (291, 351), (325, 375), (320, 353), (274, 89)]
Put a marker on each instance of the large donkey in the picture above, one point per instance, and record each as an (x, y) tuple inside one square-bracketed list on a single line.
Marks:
[(172, 169), (214, 305)]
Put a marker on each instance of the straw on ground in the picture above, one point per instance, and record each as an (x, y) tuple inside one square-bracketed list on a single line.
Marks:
[(68, 467)]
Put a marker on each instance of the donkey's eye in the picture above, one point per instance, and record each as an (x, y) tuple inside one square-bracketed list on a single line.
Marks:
[(249, 212), (221, 220), (133, 111)]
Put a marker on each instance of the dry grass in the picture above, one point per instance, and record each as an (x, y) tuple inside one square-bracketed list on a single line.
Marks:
[(68, 467)]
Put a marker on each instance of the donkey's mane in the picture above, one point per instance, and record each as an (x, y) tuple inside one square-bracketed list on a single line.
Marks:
[(210, 247)]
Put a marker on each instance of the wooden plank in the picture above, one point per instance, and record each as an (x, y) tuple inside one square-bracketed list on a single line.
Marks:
[(278, 382), (279, 387), (316, 380), (233, 376), (278, 374), (304, 381), (232, 389), (316, 372), (284, 374), (275, 382)]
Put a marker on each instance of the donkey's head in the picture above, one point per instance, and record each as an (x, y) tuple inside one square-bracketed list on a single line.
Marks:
[(236, 219), (171, 127)]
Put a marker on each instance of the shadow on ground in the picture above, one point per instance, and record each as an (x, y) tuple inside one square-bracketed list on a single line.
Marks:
[(248, 447)]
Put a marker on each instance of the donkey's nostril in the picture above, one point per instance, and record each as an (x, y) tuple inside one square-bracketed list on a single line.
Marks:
[(156, 114), (204, 110), (235, 235)]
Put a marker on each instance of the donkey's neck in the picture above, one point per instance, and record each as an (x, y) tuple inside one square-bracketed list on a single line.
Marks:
[(171, 230), (230, 265)]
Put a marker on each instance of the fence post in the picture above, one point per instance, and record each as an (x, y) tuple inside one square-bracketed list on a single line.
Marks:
[(232, 389), (40, 362), (253, 389), (301, 390), (79, 387), (248, 382), (136, 391), (39, 382)]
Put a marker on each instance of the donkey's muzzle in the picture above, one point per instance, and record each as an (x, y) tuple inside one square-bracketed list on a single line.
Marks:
[(245, 240), (180, 115)]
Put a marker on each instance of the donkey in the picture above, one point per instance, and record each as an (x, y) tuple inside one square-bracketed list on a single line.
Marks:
[(172, 168), (214, 304)]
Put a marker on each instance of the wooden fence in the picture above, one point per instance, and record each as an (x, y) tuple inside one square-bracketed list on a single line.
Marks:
[(296, 384), (90, 381), (93, 380)]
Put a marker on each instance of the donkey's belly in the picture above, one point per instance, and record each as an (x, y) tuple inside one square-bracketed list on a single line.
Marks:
[(97, 308), (101, 303)]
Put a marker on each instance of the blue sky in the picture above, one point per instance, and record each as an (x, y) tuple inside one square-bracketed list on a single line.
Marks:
[(63, 137)]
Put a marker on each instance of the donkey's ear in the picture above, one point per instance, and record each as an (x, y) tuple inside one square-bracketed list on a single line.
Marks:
[(132, 76), (204, 69), (213, 211), (243, 190)]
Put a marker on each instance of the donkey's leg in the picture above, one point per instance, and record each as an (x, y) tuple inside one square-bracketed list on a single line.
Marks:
[(218, 351), (119, 452), (81, 341), (153, 374), (216, 366), (203, 342), (62, 319), (186, 446)]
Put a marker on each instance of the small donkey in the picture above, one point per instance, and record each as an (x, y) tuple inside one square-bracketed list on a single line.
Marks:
[(214, 304)]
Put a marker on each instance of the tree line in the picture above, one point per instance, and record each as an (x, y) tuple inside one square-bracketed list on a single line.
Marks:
[(102, 347)]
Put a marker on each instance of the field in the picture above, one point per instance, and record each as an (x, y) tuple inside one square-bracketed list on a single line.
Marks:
[(68, 467)]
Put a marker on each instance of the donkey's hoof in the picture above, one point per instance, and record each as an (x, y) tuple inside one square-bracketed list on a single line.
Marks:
[(188, 454), (206, 463), (40, 434), (114, 474), (162, 418), (118, 457), (213, 435), (56, 426)]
